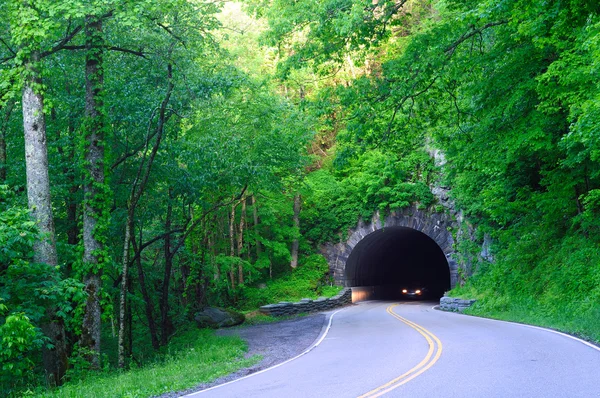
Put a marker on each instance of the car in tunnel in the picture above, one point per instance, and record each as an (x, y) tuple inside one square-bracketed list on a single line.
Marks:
[(413, 292)]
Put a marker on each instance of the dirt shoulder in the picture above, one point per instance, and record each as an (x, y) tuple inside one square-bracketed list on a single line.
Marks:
[(275, 342)]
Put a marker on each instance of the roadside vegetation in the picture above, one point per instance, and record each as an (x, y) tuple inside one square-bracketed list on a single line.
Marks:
[(192, 357), (310, 280), (556, 285), (161, 156)]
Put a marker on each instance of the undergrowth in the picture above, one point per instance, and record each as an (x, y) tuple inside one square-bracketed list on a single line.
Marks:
[(193, 357), (553, 283), (310, 280)]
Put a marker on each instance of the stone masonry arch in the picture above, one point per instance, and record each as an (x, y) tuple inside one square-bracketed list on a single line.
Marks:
[(436, 226)]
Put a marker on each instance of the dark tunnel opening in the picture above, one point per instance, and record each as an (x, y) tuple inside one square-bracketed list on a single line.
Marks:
[(392, 259)]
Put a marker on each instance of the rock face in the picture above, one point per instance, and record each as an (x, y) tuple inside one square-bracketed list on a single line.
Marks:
[(455, 304), (215, 318), (307, 305), (435, 225)]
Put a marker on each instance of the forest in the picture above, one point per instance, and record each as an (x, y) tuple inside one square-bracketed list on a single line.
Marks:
[(160, 156)]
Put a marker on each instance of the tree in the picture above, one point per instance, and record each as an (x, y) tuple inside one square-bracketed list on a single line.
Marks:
[(38, 181), (95, 189)]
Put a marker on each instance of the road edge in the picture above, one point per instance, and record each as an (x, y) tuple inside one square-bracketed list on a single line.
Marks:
[(315, 344)]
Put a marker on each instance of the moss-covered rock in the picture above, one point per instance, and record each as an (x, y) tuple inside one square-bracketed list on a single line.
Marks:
[(215, 318)]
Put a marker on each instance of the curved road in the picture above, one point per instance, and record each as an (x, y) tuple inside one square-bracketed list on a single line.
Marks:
[(408, 349)]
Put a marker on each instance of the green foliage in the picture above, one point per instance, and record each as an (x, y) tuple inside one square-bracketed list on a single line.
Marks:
[(508, 93), (541, 280), (375, 181), (193, 357), (521, 157), (18, 336), (246, 137), (17, 230), (27, 289), (18, 339), (324, 32), (309, 280)]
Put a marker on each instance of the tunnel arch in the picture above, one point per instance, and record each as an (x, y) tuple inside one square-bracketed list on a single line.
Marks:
[(393, 258), (370, 236)]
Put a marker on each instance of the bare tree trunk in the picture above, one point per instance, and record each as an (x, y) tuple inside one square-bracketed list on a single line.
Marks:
[(200, 281), (71, 200), (73, 229), (296, 242), (147, 300), (137, 189), (3, 130), (123, 301), (129, 316), (211, 251), (94, 195), (232, 243), (40, 205), (255, 216), (240, 242), (67, 152), (165, 320)]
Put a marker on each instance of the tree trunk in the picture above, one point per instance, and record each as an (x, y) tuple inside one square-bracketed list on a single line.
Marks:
[(200, 281), (149, 307), (94, 195), (73, 229), (232, 243), (71, 200), (211, 253), (296, 242), (255, 216), (40, 205), (165, 320), (129, 316), (240, 242), (3, 130), (137, 189), (67, 152), (123, 297)]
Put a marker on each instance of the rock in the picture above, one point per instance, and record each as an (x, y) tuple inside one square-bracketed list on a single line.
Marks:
[(455, 304), (214, 318)]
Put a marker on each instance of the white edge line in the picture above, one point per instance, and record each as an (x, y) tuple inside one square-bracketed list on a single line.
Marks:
[(309, 349), (587, 343)]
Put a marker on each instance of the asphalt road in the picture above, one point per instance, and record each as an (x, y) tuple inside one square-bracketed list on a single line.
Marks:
[(407, 350)]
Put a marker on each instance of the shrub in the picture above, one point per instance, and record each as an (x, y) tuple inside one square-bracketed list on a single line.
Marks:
[(309, 280)]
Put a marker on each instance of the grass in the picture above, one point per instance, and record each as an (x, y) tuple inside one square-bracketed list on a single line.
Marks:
[(585, 326), (565, 316), (194, 357)]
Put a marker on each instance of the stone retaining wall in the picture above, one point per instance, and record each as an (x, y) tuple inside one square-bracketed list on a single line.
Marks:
[(455, 304), (307, 305)]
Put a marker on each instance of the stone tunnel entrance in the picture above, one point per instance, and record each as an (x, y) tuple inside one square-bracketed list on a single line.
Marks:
[(389, 260), (409, 248)]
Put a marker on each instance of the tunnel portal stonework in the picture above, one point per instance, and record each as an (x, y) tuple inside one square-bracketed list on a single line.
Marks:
[(435, 225)]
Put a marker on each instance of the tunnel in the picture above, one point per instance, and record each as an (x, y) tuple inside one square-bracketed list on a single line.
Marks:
[(392, 259)]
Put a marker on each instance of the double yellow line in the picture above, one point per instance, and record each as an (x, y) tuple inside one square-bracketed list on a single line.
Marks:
[(433, 354)]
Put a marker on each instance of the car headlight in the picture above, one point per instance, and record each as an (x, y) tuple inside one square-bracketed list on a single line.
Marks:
[(418, 291), (404, 291)]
